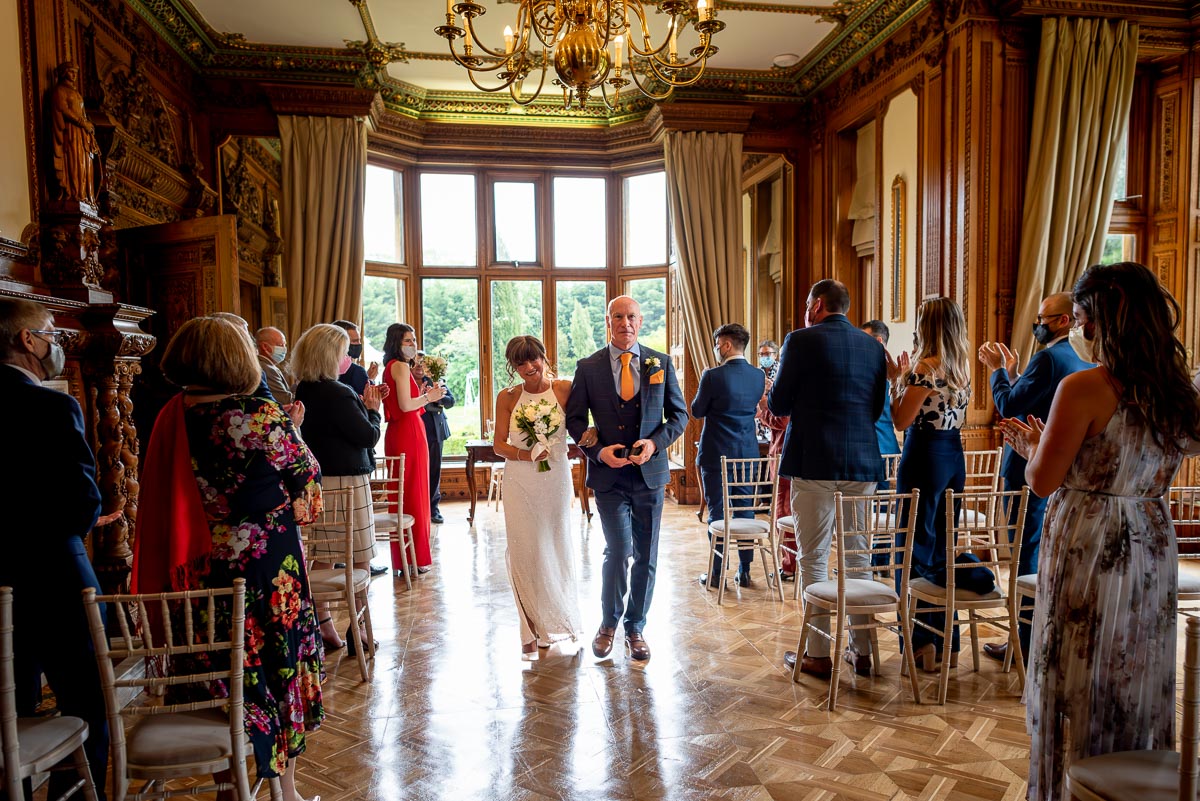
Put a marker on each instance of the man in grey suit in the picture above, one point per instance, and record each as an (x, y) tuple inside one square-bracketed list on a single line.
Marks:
[(272, 350)]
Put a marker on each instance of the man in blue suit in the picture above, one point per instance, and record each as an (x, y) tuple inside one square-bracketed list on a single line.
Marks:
[(727, 400), (832, 382), (638, 410), (1030, 393), (50, 500), (437, 431)]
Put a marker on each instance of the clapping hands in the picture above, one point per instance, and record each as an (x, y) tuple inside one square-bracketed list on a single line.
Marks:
[(372, 397), (1023, 437), (896, 366), (995, 355)]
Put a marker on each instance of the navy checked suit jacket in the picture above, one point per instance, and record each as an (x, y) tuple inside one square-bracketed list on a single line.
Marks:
[(832, 383), (664, 415), (727, 400), (1032, 393)]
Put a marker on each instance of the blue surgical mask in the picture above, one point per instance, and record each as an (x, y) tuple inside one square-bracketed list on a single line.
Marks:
[(278, 354), (766, 362)]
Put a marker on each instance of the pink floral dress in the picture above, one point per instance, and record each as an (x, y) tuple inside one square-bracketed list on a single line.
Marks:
[(256, 476)]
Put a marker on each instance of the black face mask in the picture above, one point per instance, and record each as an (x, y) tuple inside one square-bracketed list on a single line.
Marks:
[(1043, 334), (355, 351)]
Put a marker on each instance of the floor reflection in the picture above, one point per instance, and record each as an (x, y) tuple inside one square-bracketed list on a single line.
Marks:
[(452, 712)]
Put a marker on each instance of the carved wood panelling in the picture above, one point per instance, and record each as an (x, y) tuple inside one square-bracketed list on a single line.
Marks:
[(1167, 124)]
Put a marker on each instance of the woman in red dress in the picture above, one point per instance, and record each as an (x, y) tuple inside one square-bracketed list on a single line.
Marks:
[(403, 408)]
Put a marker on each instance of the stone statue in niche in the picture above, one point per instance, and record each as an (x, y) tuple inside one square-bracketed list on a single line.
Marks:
[(73, 139)]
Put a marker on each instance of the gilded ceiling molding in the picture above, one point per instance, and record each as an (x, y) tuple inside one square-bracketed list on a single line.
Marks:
[(868, 26)]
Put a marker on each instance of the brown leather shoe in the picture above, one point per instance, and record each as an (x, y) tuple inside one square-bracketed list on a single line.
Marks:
[(996, 650), (602, 644), (819, 666), (636, 647), (860, 662)]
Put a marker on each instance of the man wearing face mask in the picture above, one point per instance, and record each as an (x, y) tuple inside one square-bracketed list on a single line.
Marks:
[(726, 401), (50, 500), (1018, 395), (272, 350)]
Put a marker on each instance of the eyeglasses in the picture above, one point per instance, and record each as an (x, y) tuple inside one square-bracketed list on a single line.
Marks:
[(53, 337), (1041, 318)]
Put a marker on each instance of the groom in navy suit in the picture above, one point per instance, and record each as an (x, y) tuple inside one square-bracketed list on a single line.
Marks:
[(638, 410), (727, 400)]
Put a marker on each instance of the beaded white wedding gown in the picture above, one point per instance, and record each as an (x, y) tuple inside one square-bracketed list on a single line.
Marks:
[(541, 549)]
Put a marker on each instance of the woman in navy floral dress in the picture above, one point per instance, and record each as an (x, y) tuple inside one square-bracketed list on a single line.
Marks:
[(930, 398), (257, 480)]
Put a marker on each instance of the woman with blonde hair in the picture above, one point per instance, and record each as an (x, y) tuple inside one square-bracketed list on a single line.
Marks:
[(929, 398), (341, 429), (225, 483)]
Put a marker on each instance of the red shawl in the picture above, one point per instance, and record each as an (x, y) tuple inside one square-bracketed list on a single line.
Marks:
[(173, 541)]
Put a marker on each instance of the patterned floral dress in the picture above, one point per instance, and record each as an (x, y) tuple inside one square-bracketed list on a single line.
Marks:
[(1103, 650), (253, 471)]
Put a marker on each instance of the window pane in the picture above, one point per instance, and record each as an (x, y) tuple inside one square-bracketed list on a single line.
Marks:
[(580, 325), (579, 222), (646, 219), (1119, 247), (383, 227), (651, 295), (450, 314), (516, 310), (516, 222), (1121, 167), (383, 304), (448, 220)]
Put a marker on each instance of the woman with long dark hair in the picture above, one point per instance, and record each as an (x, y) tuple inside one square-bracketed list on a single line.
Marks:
[(1103, 649), (930, 396), (405, 434)]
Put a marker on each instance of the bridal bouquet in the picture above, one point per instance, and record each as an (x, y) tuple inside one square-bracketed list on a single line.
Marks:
[(435, 367), (538, 421)]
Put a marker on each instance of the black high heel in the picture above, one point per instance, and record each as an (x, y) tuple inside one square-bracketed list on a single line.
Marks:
[(351, 650)]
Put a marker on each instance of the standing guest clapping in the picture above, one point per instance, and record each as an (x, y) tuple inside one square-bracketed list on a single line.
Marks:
[(225, 483), (1102, 658), (929, 398), (340, 429), (272, 350), (726, 401), (403, 408)]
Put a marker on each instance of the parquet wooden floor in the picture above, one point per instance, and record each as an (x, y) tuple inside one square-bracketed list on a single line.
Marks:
[(451, 712)]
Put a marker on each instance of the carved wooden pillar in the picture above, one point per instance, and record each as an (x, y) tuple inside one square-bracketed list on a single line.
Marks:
[(71, 251), (112, 357)]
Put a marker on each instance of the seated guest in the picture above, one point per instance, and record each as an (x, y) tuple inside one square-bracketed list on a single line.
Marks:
[(272, 350), (437, 431), (50, 500), (727, 400), (341, 429), (885, 432), (225, 485)]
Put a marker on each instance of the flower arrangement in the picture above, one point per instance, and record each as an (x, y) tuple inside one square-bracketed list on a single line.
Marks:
[(653, 362), (435, 367), (538, 421)]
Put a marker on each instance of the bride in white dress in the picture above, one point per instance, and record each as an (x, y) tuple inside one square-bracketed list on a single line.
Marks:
[(537, 504)]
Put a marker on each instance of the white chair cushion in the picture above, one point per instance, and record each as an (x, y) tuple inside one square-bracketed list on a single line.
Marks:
[(787, 523), (388, 521), (1144, 775), (1189, 583), (927, 587), (970, 517), (45, 737), (859, 592), (330, 581), (748, 527), (1028, 584), (180, 738)]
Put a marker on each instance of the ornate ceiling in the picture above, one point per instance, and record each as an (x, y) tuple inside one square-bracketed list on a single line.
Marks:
[(390, 46)]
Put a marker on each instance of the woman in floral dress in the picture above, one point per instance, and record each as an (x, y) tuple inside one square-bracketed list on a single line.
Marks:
[(226, 481), (930, 399), (1102, 658)]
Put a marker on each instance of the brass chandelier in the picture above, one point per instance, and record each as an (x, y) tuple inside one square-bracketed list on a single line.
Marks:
[(589, 42)]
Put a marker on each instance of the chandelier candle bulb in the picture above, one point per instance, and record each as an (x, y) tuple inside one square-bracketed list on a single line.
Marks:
[(618, 46), (704, 10), (673, 50), (508, 38)]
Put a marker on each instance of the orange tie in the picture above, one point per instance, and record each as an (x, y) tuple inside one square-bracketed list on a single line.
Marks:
[(626, 377)]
